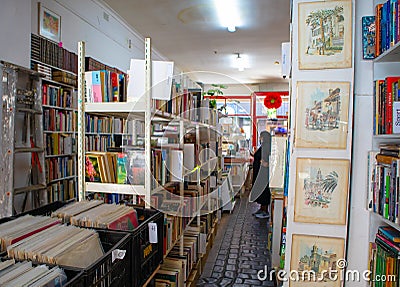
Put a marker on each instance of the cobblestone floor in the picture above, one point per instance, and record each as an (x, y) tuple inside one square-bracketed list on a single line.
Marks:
[(239, 251)]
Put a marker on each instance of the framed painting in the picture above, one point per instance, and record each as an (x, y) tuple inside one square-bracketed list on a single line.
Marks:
[(49, 24), (322, 115), (322, 187), (317, 260), (325, 35)]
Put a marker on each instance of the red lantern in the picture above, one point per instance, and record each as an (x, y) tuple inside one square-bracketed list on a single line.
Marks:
[(273, 100)]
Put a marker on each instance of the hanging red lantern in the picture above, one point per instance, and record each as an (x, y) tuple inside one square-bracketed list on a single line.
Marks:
[(273, 100)]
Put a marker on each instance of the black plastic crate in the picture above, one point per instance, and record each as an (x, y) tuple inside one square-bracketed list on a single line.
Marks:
[(147, 256), (106, 273)]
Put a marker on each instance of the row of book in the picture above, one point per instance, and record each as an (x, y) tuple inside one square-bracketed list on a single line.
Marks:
[(60, 167), (96, 214), (100, 142), (387, 25), (384, 261), (58, 96), (62, 190), (59, 120), (51, 53), (59, 144), (24, 273), (384, 182), (92, 64), (106, 167), (105, 86), (96, 124), (387, 106)]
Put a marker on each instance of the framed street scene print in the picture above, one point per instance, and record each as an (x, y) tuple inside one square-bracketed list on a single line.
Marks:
[(313, 258), (322, 115), (325, 35), (322, 187)]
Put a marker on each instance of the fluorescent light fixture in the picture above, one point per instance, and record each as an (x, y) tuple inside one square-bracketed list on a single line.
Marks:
[(241, 62), (228, 14)]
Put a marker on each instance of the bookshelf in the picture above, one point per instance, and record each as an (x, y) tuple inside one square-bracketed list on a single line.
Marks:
[(175, 144)]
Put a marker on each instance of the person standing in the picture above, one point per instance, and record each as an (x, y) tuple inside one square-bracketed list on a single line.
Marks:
[(260, 191)]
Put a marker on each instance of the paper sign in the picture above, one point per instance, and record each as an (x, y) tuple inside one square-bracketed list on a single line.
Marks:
[(117, 254), (153, 238)]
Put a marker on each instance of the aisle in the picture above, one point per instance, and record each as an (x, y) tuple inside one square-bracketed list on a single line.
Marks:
[(239, 251)]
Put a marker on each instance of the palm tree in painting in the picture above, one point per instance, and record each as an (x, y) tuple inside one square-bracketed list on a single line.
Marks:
[(330, 182)]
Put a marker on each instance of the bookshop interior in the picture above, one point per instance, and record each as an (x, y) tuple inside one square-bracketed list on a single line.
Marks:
[(169, 144)]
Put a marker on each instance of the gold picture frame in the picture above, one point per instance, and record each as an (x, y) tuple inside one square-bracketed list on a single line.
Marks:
[(322, 115), (313, 258), (322, 188), (326, 46), (49, 24)]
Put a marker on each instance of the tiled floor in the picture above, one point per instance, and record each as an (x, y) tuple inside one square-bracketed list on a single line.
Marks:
[(239, 251)]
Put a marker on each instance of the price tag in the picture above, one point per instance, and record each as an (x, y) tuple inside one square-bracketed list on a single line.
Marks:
[(153, 232), (117, 254), (203, 243)]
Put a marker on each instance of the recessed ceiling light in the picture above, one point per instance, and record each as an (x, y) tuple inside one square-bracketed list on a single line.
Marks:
[(228, 14)]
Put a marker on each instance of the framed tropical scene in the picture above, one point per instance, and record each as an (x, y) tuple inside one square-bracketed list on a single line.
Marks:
[(321, 190), (325, 35), (313, 258), (322, 115)]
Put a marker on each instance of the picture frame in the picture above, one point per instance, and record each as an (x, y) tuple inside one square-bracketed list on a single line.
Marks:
[(313, 257), (322, 188), (49, 24), (322, 115), (330, 47)]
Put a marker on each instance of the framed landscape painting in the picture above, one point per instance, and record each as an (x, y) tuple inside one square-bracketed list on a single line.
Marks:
[(322, 115), (325, 35), (322, 187), (313, 257)]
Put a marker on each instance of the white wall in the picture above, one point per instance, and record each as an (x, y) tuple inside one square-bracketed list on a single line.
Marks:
[(15, 31), (106, 40), (245, 90)]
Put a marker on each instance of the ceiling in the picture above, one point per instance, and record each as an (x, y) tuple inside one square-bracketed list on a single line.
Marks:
[(189, 33)]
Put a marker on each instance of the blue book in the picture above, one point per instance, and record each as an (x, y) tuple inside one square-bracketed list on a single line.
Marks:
[(369, 37)]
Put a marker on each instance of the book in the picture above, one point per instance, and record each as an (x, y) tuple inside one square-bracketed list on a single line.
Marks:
[(368, 40), (390, 233)]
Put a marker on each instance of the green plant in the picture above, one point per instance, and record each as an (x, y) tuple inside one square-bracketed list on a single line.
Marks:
[(213, 104), (216, 90)]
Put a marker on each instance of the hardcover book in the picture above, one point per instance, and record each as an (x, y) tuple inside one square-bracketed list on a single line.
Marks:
[(369, 37)]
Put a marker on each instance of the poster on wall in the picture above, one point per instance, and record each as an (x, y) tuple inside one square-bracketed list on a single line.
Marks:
[(49, 24), (316, 260), (325, 35), (321, 191), (322, 115)]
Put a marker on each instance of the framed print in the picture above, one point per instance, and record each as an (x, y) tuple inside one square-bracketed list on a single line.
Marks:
[(322, 115), (325, 35), (321, 190), (313, 258), (49, 24)]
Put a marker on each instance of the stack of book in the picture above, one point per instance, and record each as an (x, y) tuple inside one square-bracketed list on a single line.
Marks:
[(25, 274), (385, 257), (106, 167), (387, 106), (384, 182)]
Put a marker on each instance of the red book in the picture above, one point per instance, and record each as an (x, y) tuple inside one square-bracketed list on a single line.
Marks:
[(378, 11), (127, 222), (389, 104)]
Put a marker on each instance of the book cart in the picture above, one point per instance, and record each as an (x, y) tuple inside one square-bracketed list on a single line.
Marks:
[(184, 214)]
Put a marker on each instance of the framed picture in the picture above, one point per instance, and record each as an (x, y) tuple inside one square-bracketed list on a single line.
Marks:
[(313, 258), (321, 190), (49, 24), (322, 115), (325, 35)]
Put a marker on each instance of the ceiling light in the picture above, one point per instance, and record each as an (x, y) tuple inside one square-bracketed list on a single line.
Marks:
[(240, 63), (228, 14)]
